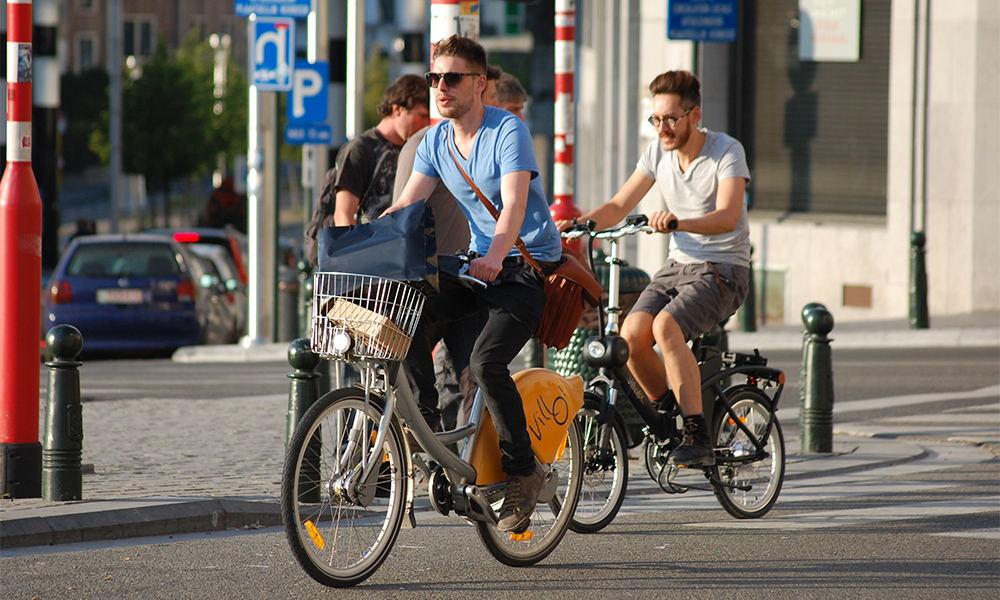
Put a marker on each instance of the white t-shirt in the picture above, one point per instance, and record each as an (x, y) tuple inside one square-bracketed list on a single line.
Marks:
[(692, 194)]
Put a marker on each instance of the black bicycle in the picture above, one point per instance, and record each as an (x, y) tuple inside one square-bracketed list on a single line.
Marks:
[(749, 445)]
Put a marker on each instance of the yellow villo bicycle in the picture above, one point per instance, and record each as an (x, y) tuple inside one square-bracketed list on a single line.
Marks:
[(349, 475)]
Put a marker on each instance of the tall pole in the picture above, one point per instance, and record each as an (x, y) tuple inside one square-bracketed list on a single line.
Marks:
[(45, 97), (565, 124), (355, 67), (20, 274), (115, 108)]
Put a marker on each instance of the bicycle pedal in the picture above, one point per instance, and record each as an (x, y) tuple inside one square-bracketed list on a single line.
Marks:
[(522, 534)]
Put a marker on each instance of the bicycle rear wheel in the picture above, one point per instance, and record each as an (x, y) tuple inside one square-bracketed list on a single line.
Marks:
[(339, 536), (605, 470), (552, 515), (763, 477)]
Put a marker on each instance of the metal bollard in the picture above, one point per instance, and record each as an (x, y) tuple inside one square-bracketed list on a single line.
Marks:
[(62, 450), (303, 391), (816, 387), (919, 318), (304, 387), (748, 312)]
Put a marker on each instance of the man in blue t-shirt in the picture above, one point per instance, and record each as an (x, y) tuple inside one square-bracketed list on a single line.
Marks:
[(494, 148)]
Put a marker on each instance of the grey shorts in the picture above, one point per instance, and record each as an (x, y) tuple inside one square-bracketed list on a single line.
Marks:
[(698, 296)]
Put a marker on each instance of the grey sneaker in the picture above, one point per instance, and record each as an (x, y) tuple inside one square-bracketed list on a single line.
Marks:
[(696, 448), (519, 503)]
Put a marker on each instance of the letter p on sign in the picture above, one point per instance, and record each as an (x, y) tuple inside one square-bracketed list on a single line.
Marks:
[(310, 91)]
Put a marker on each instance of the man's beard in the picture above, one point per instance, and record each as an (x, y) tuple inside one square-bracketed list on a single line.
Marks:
[(678, 140)]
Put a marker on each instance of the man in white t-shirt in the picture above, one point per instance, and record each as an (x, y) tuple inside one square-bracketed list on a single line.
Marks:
[(702, 175)]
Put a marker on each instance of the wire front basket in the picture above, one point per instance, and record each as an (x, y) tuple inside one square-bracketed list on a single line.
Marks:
[(380, 315)]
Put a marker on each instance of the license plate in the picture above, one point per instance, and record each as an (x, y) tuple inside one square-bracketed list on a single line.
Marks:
[(119, 296)]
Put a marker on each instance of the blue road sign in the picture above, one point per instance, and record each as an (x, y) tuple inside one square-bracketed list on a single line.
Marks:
[(273, 8), (308, 133), (308, 101), (702, 20), (273, 53)]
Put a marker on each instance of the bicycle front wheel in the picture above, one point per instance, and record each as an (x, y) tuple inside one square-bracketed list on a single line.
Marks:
[(341, 529), (747, 490), (552, 515), (605, 469)]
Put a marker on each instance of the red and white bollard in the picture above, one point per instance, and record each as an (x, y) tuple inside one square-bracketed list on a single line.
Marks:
[(565, 125), (20, 274)]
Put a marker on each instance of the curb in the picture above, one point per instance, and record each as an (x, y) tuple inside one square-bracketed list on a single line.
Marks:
[(117, 519)]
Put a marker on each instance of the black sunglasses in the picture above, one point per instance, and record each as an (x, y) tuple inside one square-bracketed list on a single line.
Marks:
[(451, 78)]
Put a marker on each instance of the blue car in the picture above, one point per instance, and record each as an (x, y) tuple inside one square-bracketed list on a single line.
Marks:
[(135, 292)]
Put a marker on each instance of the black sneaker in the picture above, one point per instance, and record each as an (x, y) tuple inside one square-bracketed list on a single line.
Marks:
[(696, 448), (519, 503)]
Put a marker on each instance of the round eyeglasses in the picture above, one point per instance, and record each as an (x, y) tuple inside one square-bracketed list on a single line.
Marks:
[(656, 121)]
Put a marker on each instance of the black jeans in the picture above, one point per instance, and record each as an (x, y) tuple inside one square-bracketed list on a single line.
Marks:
[(510, 310)]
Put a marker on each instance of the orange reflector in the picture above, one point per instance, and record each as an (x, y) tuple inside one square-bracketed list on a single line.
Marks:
[(520, 537), (781, 378), (314, 534), (562, 448)]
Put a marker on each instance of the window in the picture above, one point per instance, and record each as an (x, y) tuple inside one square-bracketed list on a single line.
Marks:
[(138, 36), (819, 142), (84, 53)]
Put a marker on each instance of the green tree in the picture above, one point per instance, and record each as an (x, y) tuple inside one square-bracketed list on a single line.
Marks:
[(228, 114), (376, 80), (169, 128)]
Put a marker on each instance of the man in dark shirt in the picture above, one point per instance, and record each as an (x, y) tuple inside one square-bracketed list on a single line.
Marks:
[(366, 165)]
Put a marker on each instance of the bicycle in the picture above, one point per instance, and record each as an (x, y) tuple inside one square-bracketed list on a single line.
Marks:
[(749, 445), (349, 473)]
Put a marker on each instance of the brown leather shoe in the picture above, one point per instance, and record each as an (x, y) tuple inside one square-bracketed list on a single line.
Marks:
[(519, 503)]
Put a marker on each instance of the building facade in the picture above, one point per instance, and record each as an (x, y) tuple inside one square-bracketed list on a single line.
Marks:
[(849, 157)]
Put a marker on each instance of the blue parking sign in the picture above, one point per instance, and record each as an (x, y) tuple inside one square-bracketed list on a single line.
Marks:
[(308, 101), (273, 52)]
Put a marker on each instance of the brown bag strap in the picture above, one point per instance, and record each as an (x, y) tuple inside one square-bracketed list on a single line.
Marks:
[(496, 214)]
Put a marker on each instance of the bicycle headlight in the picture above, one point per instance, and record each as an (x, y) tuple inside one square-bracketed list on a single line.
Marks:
[(596, 349), (610, 351), (341, 342)]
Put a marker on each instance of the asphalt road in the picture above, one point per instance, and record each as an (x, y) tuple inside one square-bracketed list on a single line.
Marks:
[(921, 529), (858, 374)]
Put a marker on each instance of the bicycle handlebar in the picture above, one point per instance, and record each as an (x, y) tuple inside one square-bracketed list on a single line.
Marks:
[(633, 224)]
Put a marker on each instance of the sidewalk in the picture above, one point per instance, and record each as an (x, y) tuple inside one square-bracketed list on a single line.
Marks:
[(32, 522), (975, 330), (144, 487)]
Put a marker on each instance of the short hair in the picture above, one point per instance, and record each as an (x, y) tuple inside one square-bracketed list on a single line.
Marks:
[(509, 90), (493, 73), (683, 83), (406, 92), (462, 47)]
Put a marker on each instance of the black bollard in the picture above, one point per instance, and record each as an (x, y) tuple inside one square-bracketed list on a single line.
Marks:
[(919, 318), (816, 388), (304, 387), (303, 391), (62, 450), (748, 312)]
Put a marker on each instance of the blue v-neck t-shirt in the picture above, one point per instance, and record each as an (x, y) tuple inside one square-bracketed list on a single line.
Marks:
[(502, 145)]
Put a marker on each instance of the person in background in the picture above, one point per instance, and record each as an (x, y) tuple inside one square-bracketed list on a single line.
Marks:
[(702, 176), (366, 165), (494, 149), (359, 186), (510, 95)]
